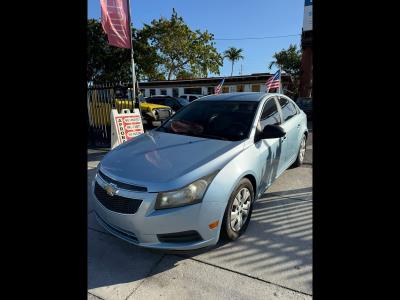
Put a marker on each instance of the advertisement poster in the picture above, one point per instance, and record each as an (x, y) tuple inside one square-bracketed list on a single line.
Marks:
[(125, 126), (307, 20)]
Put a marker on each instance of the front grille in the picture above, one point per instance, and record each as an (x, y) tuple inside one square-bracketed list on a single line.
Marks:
[(163, 114), (116, 203), (122, 185), (180, 237)]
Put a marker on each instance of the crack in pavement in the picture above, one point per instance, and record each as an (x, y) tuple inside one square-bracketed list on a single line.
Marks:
[(148, 274), (243, 274), (95, 296), (204, 262)]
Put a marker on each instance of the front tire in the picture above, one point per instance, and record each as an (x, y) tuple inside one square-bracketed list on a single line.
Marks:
[(302, 152), (238, 211)]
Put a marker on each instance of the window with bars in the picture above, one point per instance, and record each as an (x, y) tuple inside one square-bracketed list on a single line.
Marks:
[(240, 88), (255, 87)]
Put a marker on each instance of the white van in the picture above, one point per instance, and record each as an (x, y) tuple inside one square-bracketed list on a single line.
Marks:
[(190, 97)]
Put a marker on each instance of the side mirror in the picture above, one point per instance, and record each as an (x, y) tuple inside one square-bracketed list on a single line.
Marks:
[(272, 132)]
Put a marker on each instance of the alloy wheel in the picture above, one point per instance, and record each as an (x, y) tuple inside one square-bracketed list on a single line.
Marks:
[(302, 151), (240, 209)]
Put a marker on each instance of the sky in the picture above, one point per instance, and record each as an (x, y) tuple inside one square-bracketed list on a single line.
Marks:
[(229, 19)]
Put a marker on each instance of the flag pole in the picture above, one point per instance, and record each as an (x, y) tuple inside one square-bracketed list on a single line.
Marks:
[(280, 80)]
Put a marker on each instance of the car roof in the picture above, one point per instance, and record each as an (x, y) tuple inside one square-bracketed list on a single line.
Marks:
[(238, 96), (160, 96)]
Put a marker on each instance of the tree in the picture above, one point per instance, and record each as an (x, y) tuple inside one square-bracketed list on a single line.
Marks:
[(288, 60), (112, 64), (233, 54), (105, 63), (163, 49), (184, 74), (181, 49)]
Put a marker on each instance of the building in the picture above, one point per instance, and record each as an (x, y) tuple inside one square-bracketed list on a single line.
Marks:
[(205, 86), (305, 88)]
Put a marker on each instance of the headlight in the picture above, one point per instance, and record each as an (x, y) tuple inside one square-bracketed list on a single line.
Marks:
[(155, 113), (191, 194)]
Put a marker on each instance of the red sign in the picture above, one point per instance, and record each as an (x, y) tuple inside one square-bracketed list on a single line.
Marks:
[(115, 22), (128, 126)]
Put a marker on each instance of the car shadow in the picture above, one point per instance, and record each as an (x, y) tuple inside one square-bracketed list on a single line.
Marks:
[(276, 246)]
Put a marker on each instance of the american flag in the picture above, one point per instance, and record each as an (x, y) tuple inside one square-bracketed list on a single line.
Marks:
[(218, 88), (274, 81)]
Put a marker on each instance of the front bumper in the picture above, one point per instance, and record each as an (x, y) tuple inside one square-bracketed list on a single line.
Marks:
[(142, 227)]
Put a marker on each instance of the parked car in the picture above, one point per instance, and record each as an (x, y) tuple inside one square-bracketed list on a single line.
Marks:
[(196, 177), (153, 114), (174, 103), (190, 97), (305, 104)]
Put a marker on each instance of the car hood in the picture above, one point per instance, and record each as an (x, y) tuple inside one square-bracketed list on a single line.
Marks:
[(152, 105), (163, 161)]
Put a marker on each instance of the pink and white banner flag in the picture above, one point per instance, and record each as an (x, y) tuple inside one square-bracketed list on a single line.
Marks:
[(115, 22)]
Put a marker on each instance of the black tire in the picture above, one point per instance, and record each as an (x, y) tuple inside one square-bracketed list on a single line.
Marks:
[(227, 232), (299, 161)]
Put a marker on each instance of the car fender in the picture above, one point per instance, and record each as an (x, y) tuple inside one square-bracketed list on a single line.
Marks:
[(218, 193)]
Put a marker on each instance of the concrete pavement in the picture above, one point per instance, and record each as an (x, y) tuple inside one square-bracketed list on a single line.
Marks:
[(272, 260)]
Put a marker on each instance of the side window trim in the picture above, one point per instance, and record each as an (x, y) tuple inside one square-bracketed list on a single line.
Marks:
[(280, 109), (273, 98)]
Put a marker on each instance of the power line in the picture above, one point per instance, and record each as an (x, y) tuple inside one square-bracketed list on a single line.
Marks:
[(258, 38)]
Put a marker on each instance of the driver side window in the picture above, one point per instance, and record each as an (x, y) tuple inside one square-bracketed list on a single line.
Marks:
[(270, 114)]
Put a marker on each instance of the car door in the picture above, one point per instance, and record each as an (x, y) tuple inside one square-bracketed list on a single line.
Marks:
[(270, 150), (291, 125)]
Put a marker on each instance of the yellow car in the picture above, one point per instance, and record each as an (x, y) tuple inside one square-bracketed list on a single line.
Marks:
[(153, 114)]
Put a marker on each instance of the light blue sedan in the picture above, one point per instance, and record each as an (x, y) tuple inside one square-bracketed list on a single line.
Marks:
[(195, 178)]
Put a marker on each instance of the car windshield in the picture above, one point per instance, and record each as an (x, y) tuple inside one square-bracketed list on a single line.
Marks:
[(182, 101), (223, 120)]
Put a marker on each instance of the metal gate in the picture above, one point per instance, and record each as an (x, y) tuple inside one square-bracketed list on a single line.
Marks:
[(101, 98)]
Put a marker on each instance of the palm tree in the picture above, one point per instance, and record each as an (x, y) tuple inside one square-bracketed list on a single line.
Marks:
[(233, 54)]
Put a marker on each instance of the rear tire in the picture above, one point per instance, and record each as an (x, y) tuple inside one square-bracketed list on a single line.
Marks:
[(301, 153), (238, 211)]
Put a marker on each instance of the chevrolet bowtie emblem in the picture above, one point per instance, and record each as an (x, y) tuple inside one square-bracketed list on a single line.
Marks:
[(111, 189)]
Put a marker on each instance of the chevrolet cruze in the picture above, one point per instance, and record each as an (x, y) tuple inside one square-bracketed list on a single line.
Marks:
[(195, 178)]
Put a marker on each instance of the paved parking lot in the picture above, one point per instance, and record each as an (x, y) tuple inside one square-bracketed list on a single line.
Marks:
[(272, 260)]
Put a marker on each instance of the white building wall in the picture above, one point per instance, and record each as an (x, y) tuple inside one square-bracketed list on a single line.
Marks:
[(263, 88), (204, 89)]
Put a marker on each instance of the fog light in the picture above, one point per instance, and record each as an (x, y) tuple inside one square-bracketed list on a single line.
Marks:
[(213, 225)]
